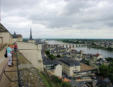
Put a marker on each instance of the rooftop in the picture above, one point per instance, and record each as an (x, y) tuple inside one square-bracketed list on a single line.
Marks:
[(16, 35), (50, 62), (85, 67), (70, 62), (2, 28)]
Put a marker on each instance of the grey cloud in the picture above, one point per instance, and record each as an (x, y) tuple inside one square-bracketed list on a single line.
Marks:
[(76, 14), (75, 6), (18, 4)]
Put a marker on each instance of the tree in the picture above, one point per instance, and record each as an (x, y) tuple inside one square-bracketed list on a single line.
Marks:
[(58, 56), (109, 59), (47, 52), (52, 57), (104, 70), (107, 71)]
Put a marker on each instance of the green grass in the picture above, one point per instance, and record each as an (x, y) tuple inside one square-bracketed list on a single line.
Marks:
[(46, 80)]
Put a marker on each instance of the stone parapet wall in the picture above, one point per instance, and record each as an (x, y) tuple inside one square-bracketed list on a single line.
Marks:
[(32, 53)]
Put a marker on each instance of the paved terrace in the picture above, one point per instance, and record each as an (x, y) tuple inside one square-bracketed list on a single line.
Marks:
[(8, 76)]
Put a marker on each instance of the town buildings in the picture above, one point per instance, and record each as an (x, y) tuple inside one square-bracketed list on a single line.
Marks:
[(76, 65)]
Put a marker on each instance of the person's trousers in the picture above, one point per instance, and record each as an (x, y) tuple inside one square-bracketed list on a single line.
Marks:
[(9, 59)]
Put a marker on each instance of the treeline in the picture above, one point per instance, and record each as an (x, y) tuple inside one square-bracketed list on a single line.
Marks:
[(107, 70), (99, 47), (74, 41)]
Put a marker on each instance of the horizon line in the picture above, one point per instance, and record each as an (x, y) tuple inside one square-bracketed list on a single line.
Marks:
[(70, 38)]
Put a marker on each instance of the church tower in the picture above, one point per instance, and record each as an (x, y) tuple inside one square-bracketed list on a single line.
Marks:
[(31, 40), (30, 35), (14, 35)]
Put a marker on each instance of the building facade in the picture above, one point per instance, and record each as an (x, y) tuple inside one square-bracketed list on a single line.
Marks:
[(70, 66), (53, 67), (5, 36), (17, 37)]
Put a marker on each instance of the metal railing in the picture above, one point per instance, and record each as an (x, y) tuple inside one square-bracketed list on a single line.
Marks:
[(18, 72)]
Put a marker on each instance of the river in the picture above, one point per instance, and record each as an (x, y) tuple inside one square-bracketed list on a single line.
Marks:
[(87, 50)]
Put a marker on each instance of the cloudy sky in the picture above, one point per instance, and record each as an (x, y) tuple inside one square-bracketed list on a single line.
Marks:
[(59, 18)]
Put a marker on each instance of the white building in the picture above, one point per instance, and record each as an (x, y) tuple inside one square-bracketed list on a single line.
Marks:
[(70, 67), (53, 67)]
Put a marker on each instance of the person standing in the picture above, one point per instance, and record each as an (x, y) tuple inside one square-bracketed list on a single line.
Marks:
[(15, 47), (9, 54)]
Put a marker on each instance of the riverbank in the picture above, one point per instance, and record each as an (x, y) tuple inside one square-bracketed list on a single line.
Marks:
[(88, 50), (99, 47)]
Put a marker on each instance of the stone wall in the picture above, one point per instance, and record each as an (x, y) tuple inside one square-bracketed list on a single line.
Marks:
[(1, 42), (33, 53), (7, 38), (17, 40), (3, 61), (20, 39)]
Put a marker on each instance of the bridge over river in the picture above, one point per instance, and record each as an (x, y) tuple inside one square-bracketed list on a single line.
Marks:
[(83, 47)]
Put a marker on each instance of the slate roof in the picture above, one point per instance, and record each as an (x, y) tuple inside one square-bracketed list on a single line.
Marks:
[(70, 62), (50, 62), (2, 28)]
